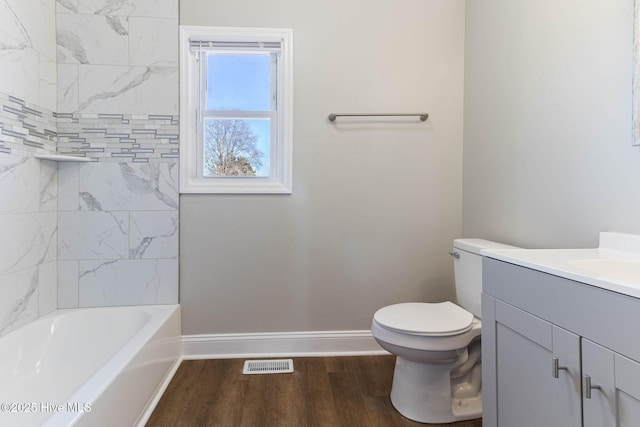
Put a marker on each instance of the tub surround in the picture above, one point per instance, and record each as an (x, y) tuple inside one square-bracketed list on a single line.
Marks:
[(28, 226), (117, 221), (88, 78)]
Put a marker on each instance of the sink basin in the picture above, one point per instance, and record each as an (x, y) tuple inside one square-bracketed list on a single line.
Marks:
[(629, 271)]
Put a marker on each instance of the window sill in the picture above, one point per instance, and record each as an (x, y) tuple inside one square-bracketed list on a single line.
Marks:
[(244, 185)]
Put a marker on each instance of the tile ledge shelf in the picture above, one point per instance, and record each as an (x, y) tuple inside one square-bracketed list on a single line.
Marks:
[(62, 158)]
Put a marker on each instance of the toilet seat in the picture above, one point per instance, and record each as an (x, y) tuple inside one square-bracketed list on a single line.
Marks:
[(442, 319)]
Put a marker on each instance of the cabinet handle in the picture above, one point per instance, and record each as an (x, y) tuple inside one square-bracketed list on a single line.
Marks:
[(555, 367), (588, 387)]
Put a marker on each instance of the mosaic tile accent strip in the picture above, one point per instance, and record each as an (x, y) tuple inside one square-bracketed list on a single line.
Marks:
[(26, 128), (119, 137)]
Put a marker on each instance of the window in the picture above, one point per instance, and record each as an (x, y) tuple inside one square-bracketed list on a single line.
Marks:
[(235, 108)]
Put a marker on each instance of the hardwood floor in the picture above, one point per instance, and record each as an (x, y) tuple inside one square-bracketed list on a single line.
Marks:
[(323, 391)]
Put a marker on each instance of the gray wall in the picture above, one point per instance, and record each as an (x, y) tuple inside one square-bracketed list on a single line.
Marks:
[(548, 160), (375, 205)]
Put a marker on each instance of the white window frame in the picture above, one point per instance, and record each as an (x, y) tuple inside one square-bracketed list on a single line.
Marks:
[(191, 175)]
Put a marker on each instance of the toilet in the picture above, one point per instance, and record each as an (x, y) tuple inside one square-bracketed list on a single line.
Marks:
[(437, 377)]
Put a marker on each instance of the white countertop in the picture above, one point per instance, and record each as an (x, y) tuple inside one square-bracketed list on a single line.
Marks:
[(614, 266)]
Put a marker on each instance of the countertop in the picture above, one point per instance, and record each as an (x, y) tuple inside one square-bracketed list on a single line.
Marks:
[(614, 266)]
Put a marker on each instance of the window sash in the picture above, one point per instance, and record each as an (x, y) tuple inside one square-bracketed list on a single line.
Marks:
[(203, 113), (232, 115), (202, 78), (280, 180)]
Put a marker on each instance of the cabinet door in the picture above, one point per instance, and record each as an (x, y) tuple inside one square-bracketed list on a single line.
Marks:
[(611, 388), (532, 389)]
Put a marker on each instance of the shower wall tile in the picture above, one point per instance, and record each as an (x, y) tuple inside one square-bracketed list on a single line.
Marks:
[(30, 240), (154, 235), (27, 37), (93, 235), (31, 22), (28, 230), (19, 302), (68, 284), (101, 283), (127, 54), (47, 288), (19, 74), (127, 89), (66, 6), (68, 193), (48, 83), (48, 194), (131, 187), (92, 39), (118, 234), (155, 8), (153, 41), (67, 88), (17, 193)]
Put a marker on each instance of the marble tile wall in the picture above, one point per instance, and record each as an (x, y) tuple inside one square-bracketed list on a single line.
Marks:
[(28, 226), (95, 78), (117, 67), (28, 51), (117, 56), (117, 234)]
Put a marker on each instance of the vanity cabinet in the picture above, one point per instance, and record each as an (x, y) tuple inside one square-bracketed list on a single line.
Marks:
[(545, 340), (616, 399)]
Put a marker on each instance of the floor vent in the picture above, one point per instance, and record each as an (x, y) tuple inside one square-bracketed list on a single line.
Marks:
[(279, 366)]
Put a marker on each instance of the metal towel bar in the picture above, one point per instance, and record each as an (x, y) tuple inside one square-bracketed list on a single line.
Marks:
[(334, 116)]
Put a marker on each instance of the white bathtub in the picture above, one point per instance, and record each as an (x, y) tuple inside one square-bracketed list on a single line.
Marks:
[(89, 366)]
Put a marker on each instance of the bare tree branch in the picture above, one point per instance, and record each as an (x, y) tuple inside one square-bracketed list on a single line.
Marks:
[(230, 148)]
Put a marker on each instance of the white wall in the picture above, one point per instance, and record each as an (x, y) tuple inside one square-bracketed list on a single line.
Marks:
[(375, 204), (548, 160)]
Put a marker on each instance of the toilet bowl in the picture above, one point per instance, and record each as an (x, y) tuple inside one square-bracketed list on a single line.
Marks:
[(437, 377), (423, 389)]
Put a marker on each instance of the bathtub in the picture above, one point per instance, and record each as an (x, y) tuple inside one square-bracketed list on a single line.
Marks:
[(88, 366)]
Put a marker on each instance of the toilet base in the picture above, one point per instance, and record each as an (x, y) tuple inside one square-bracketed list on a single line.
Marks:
[(423, 393)]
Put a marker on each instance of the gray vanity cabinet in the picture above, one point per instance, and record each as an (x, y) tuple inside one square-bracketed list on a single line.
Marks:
[(538, 371), (614, 399), (544, 339)]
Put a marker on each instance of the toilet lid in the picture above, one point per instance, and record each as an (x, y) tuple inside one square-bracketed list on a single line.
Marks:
[(419, 318)]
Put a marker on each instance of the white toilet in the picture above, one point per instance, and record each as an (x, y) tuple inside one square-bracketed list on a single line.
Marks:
[(437, 378)]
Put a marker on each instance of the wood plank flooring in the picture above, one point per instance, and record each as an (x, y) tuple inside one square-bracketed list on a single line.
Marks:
[(323, 391)]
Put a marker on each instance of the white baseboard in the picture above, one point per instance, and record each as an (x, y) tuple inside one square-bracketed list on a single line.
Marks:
[(285, 344)]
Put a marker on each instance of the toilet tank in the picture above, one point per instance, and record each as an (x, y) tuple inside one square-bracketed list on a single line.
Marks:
[(467, 267)]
